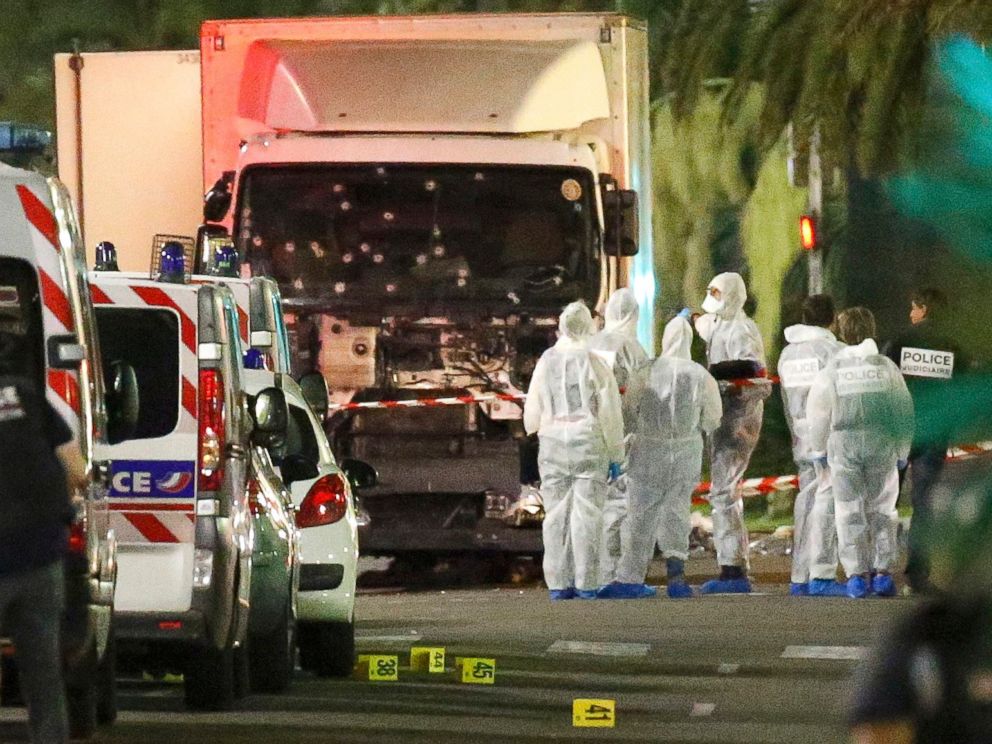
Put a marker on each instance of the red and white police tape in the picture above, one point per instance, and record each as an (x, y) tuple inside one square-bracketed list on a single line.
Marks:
[(461, 400)]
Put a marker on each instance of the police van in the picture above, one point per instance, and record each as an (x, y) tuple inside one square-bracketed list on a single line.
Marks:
[(321, 490), (45, 299), (178, 497)]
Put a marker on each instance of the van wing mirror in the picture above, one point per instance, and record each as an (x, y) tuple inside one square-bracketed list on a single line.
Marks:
[(65, 351), (316, 393), (360, 474), (123, 402), (217, 201), (623, 224), (271, 417)]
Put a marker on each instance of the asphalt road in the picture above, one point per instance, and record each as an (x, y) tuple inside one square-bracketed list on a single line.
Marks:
[(705, 670)]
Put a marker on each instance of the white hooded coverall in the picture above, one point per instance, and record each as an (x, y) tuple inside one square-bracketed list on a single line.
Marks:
[(814, 543), (678, 403), (617, 344), (861, 416), (730, 335), (574, 406)]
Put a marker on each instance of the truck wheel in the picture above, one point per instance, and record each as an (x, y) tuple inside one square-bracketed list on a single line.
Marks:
[(335, 649), (106, 676), (209, 680), (271, 655)]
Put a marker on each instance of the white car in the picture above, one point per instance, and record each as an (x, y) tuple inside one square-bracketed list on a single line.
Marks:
[(325, 516)]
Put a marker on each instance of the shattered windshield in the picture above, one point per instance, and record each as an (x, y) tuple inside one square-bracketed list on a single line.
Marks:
[(347, 236)]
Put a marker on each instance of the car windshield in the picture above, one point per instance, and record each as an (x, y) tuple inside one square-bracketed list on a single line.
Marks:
[(517, 237)]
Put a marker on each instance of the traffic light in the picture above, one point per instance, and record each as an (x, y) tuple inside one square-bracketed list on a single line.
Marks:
[(807, 232)]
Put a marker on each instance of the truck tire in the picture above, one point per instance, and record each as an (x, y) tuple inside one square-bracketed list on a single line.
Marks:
[(81, 696), (209, 680), (106, 702), (335, 649), (271, 655)]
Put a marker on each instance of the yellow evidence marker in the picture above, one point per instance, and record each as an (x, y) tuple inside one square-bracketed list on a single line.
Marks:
[(475, 671), (378, 667), (424, 659), (594, 713)]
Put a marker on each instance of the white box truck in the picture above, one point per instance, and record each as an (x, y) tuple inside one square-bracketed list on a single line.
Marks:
[(429, 191)]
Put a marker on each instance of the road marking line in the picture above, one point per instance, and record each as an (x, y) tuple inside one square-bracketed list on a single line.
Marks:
[(700, 710), (596, 648), (840, 653), (728, 668)]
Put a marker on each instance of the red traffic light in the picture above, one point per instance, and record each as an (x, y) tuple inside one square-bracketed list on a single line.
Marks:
[(807, 232)]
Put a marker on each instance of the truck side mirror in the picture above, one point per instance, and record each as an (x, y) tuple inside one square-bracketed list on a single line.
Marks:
[(623, 225), (123, 402), (315, 393), (217, 201), (360, 474)]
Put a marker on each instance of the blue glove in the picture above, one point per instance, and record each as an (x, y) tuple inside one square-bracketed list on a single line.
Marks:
[(901, 464), (685, 313), (614, 472), (821, 461)]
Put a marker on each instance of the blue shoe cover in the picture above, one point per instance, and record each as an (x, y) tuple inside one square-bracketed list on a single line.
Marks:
[(857, 587), (559, 594), (726, 586), (827, 588), (883, 585), (586, 593), (620, 590), (679, 589), (798, 590)]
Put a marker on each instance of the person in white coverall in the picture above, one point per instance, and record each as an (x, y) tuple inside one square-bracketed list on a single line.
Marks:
[(734, 350), (574, 407), (618, 346), (810, 347), (678, 402), (861, 420)]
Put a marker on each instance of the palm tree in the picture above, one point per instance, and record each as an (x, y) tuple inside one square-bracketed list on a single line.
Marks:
[(854, 69)]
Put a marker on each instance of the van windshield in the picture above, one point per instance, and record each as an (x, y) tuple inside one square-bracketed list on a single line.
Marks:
[(148, 340), (21, 332), (509, 237)]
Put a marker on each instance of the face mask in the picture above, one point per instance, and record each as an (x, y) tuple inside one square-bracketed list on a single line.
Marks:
[(712, 305)]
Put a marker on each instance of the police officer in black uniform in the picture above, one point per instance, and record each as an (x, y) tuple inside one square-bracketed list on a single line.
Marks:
[(929, 360), (39, 464)]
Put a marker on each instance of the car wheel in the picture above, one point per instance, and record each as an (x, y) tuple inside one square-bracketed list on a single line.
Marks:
[(106, 676), (335, 649), (209, 680), (272, 655)]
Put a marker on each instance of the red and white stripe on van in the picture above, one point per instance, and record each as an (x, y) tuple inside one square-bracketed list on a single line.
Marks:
[(62, 385)]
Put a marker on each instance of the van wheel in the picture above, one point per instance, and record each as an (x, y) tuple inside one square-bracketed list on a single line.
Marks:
[(242, 673), (209, 680), (106, 681), (271, 655), (335, 649), (81, 696), (10, 689)]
